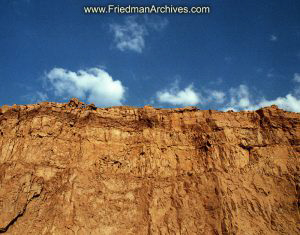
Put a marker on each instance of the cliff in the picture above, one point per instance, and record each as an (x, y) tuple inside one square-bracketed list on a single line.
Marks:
[(78, 169)]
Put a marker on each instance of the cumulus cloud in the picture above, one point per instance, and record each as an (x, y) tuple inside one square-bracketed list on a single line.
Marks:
[(131, 34), (289, 103), (189, 96), (175, 96), (241, 99), (236, 98), (94, 85)]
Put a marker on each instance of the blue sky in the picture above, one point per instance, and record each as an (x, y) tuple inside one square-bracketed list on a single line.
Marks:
[(242, 55)]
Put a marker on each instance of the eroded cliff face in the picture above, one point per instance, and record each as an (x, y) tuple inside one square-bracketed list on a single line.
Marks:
[(75, 169)]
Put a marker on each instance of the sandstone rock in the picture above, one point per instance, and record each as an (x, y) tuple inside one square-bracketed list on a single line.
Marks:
[(74, 102), (190, 108), (91, 106), (125, 170), (5, 108), (148, 107)]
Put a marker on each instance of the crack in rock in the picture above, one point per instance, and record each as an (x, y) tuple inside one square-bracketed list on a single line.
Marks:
[(20, 214)]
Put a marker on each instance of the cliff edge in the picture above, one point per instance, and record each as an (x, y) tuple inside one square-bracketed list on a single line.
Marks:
[(71, 168)]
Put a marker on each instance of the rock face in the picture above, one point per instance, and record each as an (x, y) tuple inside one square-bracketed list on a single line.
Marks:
[(77, 169)]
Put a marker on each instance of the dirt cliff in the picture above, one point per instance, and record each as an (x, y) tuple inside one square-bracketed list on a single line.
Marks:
[(72, 168)]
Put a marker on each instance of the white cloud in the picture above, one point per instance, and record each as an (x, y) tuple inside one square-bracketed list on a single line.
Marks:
[(95, 85), (297, 77), (273, 38), (174, 96), (131, 35), (189, 96), (289, 103), (241, 99), (215, 96), (236, 98)]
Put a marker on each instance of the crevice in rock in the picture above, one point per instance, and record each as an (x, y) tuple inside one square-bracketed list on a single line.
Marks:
[(249, 148), (20, 214), (3, 230)]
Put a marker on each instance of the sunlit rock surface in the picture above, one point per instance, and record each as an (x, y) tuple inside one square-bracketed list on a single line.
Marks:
[(73, 168)]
